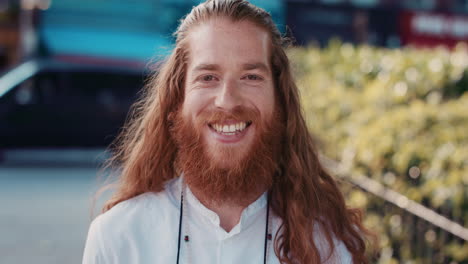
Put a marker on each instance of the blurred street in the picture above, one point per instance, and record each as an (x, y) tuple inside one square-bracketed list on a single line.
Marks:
[(45, 203)]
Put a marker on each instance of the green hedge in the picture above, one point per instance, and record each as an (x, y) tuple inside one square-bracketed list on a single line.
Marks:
[(398, 116)]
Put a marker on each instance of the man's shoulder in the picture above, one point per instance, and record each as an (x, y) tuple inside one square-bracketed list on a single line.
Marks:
[(129, 209), (130, 224), (137, 213), (124, 215), (142, 205)]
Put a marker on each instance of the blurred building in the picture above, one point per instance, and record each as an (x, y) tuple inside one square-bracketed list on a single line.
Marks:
[(389, 23)]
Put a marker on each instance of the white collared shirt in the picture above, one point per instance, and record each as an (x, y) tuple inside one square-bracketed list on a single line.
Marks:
[(144, 229)]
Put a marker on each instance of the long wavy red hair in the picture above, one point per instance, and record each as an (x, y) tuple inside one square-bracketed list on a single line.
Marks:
[(304, 195)]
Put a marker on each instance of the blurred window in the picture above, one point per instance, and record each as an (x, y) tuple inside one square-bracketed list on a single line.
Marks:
[(332, 1), (365, 3), (460, 6), (420, 4)]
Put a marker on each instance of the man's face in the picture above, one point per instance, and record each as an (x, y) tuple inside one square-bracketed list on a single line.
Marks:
[(229, 88)]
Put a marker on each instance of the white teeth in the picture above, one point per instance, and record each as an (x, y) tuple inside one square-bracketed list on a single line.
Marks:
[(242, 126), (229, 129)]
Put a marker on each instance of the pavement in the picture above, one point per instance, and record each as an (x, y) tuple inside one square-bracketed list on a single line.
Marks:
[(45, 204)]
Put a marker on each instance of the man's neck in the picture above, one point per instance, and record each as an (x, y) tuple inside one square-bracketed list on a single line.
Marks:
[(229, 213)]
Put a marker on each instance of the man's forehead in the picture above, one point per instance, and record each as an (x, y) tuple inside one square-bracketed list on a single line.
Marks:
[(225, 24), (217, 41)]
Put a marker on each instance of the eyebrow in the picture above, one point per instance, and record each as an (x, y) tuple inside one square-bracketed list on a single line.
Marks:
[(256, 66), (246, 66), (207, 67)]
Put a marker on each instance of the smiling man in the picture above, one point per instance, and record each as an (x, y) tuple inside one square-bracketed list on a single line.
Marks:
[(217, 164)]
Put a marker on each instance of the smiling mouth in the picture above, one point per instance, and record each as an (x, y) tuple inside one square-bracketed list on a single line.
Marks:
[(230, 129)]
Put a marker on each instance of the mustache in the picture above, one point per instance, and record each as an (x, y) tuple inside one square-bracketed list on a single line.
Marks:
[(238, 113)]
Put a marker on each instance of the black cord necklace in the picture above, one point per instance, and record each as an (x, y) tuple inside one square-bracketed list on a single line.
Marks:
[(268, 235)]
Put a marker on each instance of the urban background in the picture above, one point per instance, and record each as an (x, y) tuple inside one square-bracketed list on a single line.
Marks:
[(383, 82)]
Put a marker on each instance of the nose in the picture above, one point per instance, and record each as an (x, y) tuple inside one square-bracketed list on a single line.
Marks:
[(228, 96)]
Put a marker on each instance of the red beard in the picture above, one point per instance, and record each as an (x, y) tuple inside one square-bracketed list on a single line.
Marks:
[(227, 177)]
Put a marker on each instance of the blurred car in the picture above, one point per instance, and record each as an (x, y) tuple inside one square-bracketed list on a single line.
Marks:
[(66, 104)]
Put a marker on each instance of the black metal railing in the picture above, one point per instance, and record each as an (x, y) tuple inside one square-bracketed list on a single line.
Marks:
[(410, 232)]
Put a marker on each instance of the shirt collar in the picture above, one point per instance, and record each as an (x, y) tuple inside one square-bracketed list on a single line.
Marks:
[(249, 214)]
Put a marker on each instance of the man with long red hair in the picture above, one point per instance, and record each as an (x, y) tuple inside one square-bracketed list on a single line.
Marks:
[(217, 165)]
